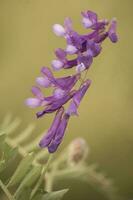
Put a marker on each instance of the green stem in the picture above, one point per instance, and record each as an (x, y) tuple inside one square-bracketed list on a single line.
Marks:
[(51, 175), (50, 179), (6, 191), (41, 177)]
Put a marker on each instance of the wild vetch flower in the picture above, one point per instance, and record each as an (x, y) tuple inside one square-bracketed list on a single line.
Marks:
[(85, 48)]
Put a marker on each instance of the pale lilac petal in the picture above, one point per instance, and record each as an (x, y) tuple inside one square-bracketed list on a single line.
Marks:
[(43, 81), (89, 18), (57, 64), (59, 30), (33, 102), (71, 49), (87, 22)]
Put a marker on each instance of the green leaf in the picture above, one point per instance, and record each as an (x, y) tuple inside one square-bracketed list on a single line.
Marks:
[(2, 140), (57, 195), (25, 195), (29, 179), (9, 155), (21, 170)]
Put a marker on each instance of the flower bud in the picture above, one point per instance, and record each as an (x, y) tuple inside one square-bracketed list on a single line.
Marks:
[(77, 151)]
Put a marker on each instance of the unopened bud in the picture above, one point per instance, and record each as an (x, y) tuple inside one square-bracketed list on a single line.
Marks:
[(77, 151)]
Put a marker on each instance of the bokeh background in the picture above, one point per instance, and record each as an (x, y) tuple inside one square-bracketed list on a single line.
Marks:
[(105, 121)]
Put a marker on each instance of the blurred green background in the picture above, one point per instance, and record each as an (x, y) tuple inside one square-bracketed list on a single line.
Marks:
[(27, 43)]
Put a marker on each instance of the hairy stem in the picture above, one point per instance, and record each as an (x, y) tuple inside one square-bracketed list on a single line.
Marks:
[(6, 191), (41, 177)]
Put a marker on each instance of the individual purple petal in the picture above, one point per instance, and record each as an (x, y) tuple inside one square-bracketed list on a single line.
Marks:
[(112, 31), (33, 102), (86, 60), (56, 104), (61, 54), (67, 83), (68, 25), (47, 138), (89, 18), (75, 39), (101, 37), (47, 72), (37, 92), (59, 134), (70, 63), (43, 81), (81, 92), (100, 25), (80, 68), (57, 64), (59, 30), (93, 49), (72, 110)]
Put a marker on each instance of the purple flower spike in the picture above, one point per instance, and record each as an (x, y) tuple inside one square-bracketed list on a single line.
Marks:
[(46, 140), (84, 48), (59, 134)]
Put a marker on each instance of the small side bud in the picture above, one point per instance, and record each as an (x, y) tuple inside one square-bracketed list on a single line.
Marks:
[(77, 151)]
